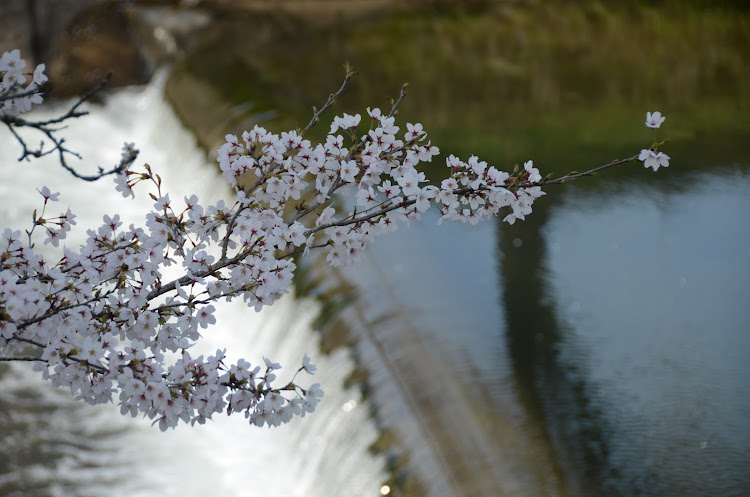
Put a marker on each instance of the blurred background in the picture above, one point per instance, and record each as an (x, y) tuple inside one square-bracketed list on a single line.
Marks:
[(601, 347)]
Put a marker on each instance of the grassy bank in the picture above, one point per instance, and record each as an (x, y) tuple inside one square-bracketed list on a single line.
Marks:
[(506, 81)]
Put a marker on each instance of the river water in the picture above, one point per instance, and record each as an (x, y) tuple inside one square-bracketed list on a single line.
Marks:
[(600, 348), (650, 289)]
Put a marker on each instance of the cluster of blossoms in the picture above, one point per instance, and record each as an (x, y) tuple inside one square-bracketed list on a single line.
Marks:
[(104, 321), (14, 97), (653, 158), (272, 172), (117, 317)]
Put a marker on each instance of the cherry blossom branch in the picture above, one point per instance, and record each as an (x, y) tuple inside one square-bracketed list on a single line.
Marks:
[(28, 341), (362, 219), (466, 192), (576, 175), (401, 96), (331, 98), (22, 358), (104, 320), (47, 128), (10, 92)]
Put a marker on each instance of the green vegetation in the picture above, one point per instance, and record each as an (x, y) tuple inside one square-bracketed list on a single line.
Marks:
[(509, 82)]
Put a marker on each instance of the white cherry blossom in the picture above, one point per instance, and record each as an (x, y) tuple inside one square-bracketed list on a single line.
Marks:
[(653, 159), (654, 120)]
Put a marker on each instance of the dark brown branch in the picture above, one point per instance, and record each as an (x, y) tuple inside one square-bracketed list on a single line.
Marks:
[(572, 176), (48, 129), (22, 358), (401, 96), (9, 95), (329, 102)]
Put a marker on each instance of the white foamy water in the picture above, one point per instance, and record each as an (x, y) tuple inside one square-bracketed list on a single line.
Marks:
[(54, 446)]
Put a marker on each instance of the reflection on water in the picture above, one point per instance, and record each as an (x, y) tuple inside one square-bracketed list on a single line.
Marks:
[(651, 292)]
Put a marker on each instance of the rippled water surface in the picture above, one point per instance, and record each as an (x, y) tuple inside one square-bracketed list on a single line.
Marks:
[(650, 290)]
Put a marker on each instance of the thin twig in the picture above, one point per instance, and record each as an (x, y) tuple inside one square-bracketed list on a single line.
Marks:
[(22, 358), (401, 96), (572, 176), (329, 102), (6, 95)]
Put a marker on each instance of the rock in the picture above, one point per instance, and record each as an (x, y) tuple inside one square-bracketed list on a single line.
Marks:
[(79, 40), (97, 42)]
